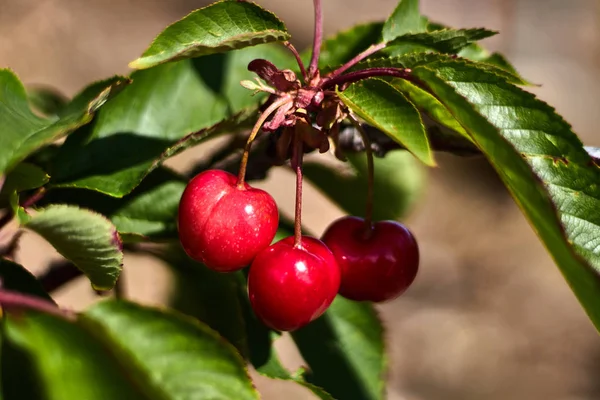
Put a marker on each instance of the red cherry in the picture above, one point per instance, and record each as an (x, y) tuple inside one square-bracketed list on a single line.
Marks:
[(378, 268), (291, 286), (222, 225)]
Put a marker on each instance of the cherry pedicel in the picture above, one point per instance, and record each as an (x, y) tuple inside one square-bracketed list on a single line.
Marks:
[(290, 286), (224, 224), (376, 265)]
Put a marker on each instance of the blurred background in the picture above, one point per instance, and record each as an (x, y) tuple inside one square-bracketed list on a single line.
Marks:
[(489, 316)]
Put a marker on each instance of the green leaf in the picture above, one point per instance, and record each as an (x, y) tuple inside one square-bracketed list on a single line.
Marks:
[(399, 180), (345, 351), (166, 110), (220, 27), (87, 239), (428, 104), (476, 52), (343, 46), (46, 100), (149, 212), (54, 359), (541, 161), (381, 105), (406, 18), (15, 277), (433, 61), (22, 132), (24, 176), (119, 350), (445, 41)]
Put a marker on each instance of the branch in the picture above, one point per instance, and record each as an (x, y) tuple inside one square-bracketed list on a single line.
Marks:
[(58, 275), (10, 300)]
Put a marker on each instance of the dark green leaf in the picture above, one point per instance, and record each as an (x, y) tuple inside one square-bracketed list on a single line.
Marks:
[(220, 27), (542, 162), (399, 180), (211, 297), (166, 110), (86, 238), (46, 100), (444, 41), (54, 359), (120, 350), (22, 132), (345, 351), (345, 45), (381, 105), (15, 277), (406, 18)]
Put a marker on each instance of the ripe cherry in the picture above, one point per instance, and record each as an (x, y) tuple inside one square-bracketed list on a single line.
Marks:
[(223, 225), (291, 286), (376, 266)]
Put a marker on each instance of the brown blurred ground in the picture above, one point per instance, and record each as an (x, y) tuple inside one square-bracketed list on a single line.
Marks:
[(489, 316)]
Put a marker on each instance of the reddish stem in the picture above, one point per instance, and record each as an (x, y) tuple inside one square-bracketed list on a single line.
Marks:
[(34, 198), (261, 120), (366, 73), (317, 39), (298, 60), (361, 56), (19, 301), (297, 165)]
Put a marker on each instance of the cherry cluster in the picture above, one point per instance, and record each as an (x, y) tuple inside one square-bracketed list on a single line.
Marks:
[(227, 226)]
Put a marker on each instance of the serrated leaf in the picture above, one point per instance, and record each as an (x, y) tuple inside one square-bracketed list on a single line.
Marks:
[(87, 239), (476, 52), (541, 161), (399, 179), (149, 212), (222, 26), (381, 105), (433, 60), (428, 104), (15, 277), (345, 351), (406, 18), (343, 46), (166, 110), (444, 41), (22, 132), (119, 350)]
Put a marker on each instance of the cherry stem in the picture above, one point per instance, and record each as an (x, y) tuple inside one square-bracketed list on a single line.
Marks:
[(367, 73), (361, 56), (297, 165), (370, 175), (317, 39), (20, 301), (298, 60), (261, 120)]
